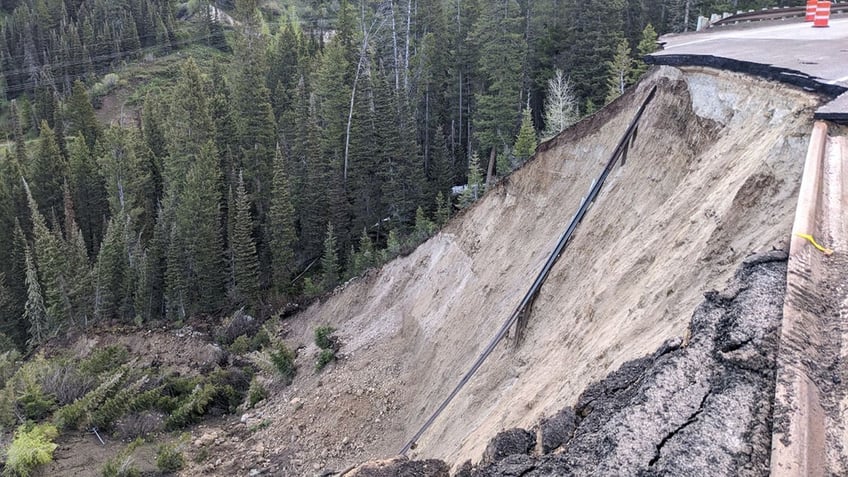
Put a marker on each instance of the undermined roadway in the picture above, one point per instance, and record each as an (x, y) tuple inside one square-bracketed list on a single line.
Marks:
[(614, 371), (631, 363)]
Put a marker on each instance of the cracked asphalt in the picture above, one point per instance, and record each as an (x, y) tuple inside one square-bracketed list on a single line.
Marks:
[(683, 409)]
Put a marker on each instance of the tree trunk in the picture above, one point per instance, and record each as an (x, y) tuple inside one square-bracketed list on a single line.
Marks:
[(395, 46), (491, 172), (406, 53)]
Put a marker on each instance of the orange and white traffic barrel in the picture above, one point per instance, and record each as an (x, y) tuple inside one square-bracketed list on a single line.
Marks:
[(811, 10), (822, 14)]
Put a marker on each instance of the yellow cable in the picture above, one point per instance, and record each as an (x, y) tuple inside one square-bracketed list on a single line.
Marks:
[(810, 238)]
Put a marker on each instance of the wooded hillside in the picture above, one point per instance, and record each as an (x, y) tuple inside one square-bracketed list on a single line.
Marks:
[(325, 144)]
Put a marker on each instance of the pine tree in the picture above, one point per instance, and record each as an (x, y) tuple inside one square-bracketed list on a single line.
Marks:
[(441, 170), (313, 200), (128, 178), (254, 119), (176, 287), (78, 265), (424, 227), (498, 35), (647, 45), (111, 271), (619, 71), (365, 257), (34, 311), (561, 108), (503, 165), (198, 219), (526, 142), (281, 231), (190, 126), (474, 188), (443, 209), (245, 261), (80, 115), (48, 173), (8, 320), (52, 265), (152, 127), (330, 260), (16, 281), (88, 193), (594, 30)]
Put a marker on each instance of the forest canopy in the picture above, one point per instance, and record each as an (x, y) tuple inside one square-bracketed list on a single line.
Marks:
[(311, 141)]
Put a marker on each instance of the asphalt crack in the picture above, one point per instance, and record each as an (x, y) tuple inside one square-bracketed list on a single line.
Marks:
[(691, 420)]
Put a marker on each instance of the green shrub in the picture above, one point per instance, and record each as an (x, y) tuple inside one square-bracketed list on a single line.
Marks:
[(70, 416), (9, 364), (193, 407), (123, 464), (283, 360), (34, 403), (78, 414), (201, 456), (241, 345), (260, 339), (326, 357), (324, 338), (106, 359), (32, 446), (169, 459), (113, 408), (311, 289), (256, 393)]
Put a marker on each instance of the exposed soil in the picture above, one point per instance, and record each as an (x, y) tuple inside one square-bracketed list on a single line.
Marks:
[(702, 402)]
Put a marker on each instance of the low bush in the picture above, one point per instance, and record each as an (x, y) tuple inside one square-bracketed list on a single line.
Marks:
[(240, 324), (169, 459), (256, 393), (326, 357), (32, 446), (70, 416), (324, 338), (283, 360), (109, 358), (240, 346), (139, 424), (9, 364), (123, 464), (65, 383), (260, 340)]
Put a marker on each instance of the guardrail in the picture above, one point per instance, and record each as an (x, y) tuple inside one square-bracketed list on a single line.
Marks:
[(773, 14), (798, 443), (523, 309)]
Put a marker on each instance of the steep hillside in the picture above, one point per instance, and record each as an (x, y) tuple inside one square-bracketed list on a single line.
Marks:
[(712, 178)]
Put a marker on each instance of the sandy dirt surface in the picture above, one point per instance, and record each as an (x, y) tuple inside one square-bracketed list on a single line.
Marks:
[(698, 405), (712, 177)]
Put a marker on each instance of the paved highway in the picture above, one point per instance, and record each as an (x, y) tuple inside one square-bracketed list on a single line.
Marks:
[(819, 52), (791, 51)]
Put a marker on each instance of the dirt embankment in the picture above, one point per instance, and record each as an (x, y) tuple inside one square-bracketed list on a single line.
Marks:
[(701, 402), (711, 178)]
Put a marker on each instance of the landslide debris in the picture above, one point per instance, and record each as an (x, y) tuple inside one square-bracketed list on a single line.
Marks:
[(696, 406)]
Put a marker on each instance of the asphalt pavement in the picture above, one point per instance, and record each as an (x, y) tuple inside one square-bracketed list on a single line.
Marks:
[(790, 51)]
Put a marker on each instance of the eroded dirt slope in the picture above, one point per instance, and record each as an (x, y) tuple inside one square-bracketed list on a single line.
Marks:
[(712, 177)]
